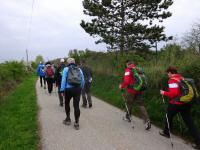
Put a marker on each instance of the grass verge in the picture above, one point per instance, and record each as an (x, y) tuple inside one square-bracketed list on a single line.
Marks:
[(18, 118)]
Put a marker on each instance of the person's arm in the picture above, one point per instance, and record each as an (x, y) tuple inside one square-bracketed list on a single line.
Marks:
[(38, 70), (63, 82), (82, 79), (127, 79), (173, 89)]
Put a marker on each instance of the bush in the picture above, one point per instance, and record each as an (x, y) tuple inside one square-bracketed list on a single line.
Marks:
[(11, 73)]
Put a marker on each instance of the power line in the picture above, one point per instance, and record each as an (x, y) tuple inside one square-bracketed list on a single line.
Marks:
[(29, 29)]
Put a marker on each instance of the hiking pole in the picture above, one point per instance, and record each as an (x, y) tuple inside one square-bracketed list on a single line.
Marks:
[(128, 111), (168, 125)]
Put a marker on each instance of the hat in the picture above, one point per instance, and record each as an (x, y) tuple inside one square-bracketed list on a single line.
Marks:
[(62, 60), (71, 60)]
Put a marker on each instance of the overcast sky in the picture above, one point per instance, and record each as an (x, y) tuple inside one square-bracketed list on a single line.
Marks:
[(55, 27)]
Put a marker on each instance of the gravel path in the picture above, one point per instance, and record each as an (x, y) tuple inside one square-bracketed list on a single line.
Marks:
[(101, 128)]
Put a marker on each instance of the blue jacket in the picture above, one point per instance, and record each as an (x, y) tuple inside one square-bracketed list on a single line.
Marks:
[(64, 84), (41, 70)]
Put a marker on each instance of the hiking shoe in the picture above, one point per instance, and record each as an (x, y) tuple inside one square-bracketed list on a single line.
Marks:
[(84, 106), (76, 126), (195, 146), (67, 121), (61, 105), (147, 125), (90, 105), (164, 134), (127, 118)]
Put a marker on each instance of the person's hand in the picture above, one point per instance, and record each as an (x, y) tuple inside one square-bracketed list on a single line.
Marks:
[(90, 80), (120, 86), (62, 94), (162, 92)]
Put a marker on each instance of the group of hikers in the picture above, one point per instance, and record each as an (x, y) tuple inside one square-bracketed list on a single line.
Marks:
[(73, 80)]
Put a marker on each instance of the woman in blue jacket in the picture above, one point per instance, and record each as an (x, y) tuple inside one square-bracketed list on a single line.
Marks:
[(71, 85)]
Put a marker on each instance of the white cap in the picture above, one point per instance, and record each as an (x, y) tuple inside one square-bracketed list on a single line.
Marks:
[(62, 60), (71, 60)]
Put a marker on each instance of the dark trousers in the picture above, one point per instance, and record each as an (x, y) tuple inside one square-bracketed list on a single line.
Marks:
[(74, 93), (185, 111), (44, 80), (86, 92), (59, 95), (50, 84)]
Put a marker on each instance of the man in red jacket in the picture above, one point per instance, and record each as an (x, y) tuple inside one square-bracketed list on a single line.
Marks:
[(176, 106), (132, 96)]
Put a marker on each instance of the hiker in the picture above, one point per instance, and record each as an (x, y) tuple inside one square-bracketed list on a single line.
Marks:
[(71, 85), (58, 78), (87, 72), (133, 96), (176, 106), (49, 76), (41, 73)]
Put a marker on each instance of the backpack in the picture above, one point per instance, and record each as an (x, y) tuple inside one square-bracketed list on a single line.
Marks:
[(188, 90), (140, 79), (50, 71), (74, 76)]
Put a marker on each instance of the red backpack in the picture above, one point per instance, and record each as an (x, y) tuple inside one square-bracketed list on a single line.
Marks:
[(50, 71)]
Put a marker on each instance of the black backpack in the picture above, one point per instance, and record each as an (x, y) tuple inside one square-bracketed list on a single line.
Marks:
[(74, 76)]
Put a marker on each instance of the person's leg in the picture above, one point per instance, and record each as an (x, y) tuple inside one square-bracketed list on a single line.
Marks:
[(187, 118), (76, 100), (140, 102), (48, 85), (60, 96), (44, 80), (129, 102), (41, 81), (51, 85), (88, 92), (68, 97), (172, 110), (84, 98)]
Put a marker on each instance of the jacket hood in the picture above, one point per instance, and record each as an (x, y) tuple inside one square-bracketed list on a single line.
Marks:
[(176, 76), (132, 66)]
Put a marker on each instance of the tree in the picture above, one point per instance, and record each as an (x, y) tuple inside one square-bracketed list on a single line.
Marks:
[(191, 39), (39, 59), (126, 24)]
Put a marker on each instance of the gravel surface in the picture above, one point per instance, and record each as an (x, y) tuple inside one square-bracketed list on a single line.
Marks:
[(101, 128)]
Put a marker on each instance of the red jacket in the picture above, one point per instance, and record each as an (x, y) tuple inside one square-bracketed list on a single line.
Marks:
[(129, 80), (174, 89)]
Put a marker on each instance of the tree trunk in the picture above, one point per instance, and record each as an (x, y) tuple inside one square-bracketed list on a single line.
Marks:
[(122, 28)]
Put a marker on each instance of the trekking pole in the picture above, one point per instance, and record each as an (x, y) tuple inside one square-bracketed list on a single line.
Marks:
[(128, 111), (168, 125)]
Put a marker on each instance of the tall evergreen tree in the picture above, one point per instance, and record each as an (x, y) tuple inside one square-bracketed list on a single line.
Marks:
[(126, 24)]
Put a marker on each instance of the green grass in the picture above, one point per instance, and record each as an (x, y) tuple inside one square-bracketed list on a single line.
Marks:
[(18, 118)]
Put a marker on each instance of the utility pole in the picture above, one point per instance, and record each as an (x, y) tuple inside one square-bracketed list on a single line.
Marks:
[(27, 57)]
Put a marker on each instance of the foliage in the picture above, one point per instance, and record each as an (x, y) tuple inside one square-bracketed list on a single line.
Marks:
[(18, 118), (126, 24), (39, 59), (191, 39), (11, 73)]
